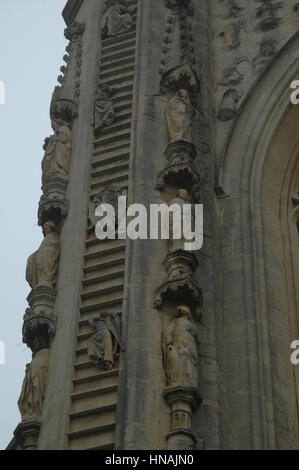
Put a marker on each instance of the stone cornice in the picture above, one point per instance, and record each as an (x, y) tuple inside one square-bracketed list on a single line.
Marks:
[(70, 10)]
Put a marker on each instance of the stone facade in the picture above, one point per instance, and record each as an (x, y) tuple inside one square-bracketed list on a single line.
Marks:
[(167, 100)]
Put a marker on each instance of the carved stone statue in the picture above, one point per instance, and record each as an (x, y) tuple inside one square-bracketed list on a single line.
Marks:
[(117, 19), (104, 346), (104, 109), (181, 199), (57, 159), (180, 350), (43, 264), (34, 386), (179, 116)]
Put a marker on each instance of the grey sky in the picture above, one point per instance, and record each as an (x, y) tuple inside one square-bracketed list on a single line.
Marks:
[(31, 50)]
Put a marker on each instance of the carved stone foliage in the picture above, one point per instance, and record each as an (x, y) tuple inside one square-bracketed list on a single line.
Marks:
[(229, 105), (266, 15), (104, 114), (268, 49), (43, 264), (118, 18), (179, 6), (109, 195), (105, 345), (70, 82), (231, 35)]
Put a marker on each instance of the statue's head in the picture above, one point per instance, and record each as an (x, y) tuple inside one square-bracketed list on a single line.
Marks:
[(49, 227), (183, 194), (184, 311)]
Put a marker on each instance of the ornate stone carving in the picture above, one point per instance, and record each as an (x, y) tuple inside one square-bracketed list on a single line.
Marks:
[(43, 264), (118, 18), (179, 78), (74, 49), (231, 35), (266, 53), (179, 168), (179, 6), (53, 207), (104, 109), (109, 195), (26, 434), (266, 15), (63, 109), (180, 284), (105, 345), (38, 323), (232, 9), (229, 105), (231, 76), (179, 116), (58, 150)]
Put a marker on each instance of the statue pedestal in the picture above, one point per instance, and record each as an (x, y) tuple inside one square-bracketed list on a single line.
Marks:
[(27, 433), (179, 169), (180, 285), (53, 204), (183, 400), (42, 299)]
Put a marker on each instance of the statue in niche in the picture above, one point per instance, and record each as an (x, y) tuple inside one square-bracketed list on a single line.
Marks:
[(182, 198), (118, 19), (104, 109), (57, 158), (180, 350), (179, 116), (34, 386), (104, 346), (43, 264)]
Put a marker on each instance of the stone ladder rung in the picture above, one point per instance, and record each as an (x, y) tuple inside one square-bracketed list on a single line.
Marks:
[(121, 54), (102, 375), (113, 152), (103, 265), (110, 168), (111, 180), (122, 66), (93, 411), (103, 277), (130, 43), (99, 292), (118, 39), (101, 305), (92, 430), (112, 139)]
